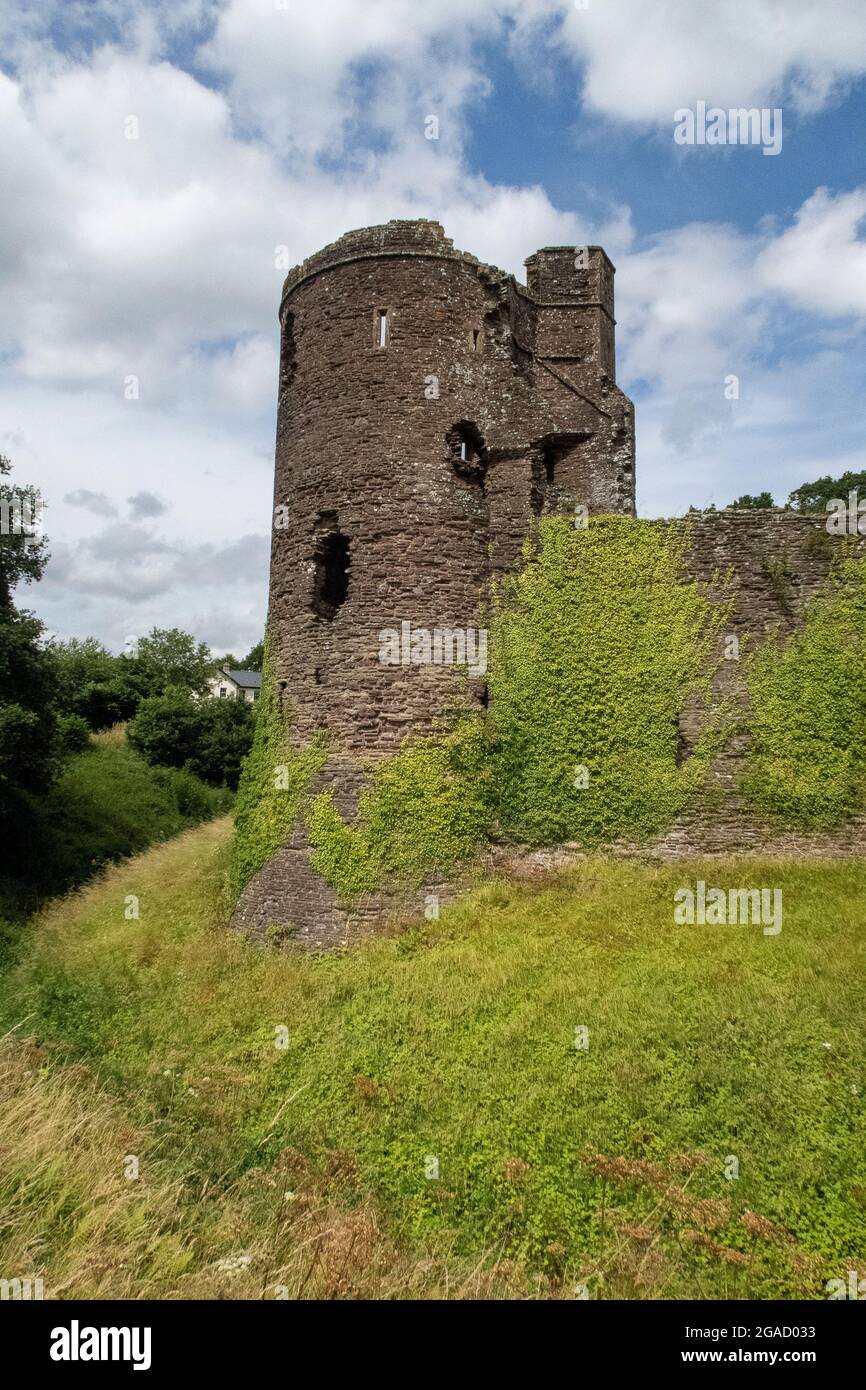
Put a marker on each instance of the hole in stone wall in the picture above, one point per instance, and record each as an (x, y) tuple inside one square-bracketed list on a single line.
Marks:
[(476, 334), (382, 333), (468, 452), (331, 573)]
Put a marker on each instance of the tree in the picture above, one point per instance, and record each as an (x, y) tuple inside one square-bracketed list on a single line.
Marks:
[(169, 658), (813, 497), (254, 658), (28, 727), (225, 739), (208, 737), (761, 499), (23, 552), (102, 688), (166, 728)]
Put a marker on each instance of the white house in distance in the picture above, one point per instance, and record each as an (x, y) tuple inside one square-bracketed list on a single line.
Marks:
[(229, 684)]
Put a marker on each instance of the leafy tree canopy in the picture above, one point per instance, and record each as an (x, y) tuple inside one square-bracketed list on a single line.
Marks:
[(254, 657), (169, 657), (750, 500), (28, 727), (207, 737), (813, 497), (22, 555)]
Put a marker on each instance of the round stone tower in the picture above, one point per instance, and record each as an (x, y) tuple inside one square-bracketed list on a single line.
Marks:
[(429, 406)]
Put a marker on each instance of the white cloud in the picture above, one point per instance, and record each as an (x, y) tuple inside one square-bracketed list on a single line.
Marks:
[(644, 60), (820, 263), (155, 256)]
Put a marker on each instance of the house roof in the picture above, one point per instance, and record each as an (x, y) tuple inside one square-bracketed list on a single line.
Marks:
[(247, 680)]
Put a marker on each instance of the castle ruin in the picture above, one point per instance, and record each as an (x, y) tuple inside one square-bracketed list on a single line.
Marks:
[(429, 407)]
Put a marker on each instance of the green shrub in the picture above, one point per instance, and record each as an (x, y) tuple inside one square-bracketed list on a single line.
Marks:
[(74, 733), (209, 738), (103, 703), (807, 761), (225, 737), (166, 729), (194, 799), (106, 804)]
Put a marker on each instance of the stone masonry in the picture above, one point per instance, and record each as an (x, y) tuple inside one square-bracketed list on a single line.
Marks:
[(429, 407)]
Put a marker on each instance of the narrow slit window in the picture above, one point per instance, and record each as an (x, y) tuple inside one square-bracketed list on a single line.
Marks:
[(382, 328), (476, 334)]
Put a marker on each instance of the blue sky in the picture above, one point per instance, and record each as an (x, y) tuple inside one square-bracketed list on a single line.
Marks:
[(276, 123), (535, 131)]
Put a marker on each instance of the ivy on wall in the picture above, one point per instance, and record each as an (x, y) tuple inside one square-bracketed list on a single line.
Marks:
[(426, 808), (596, 646), (807, 761), (273, 782), (594, 649)]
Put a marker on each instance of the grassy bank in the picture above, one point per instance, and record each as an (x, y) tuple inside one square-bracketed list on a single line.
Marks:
[(107, 803), (286, 1103)]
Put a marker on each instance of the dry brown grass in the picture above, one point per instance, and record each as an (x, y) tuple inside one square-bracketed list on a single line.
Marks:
[(110, 737), (636, 1262), (71, 1216)]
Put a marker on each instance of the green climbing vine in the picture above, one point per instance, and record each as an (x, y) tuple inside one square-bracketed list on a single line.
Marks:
[(807, 761), (273, 782), (426, 808), (594, 649)]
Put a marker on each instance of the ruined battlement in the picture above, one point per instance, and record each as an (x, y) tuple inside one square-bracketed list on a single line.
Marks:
[(430, 406), (418, 237)]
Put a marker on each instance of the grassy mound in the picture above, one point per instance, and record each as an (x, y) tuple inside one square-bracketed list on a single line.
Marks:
[(428, 1099)]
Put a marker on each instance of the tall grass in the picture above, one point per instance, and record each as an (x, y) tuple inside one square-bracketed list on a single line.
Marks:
[(110, 738), (346, 1084)]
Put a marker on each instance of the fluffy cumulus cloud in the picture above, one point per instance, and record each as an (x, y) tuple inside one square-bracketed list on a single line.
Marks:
[(159, 162), (643, 61), (819, 263)]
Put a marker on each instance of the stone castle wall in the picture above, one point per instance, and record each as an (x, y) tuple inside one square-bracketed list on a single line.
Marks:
[(777, 563), (429, 407)]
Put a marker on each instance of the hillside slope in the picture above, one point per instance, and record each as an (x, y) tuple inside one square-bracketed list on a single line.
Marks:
[(424, 1096)]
